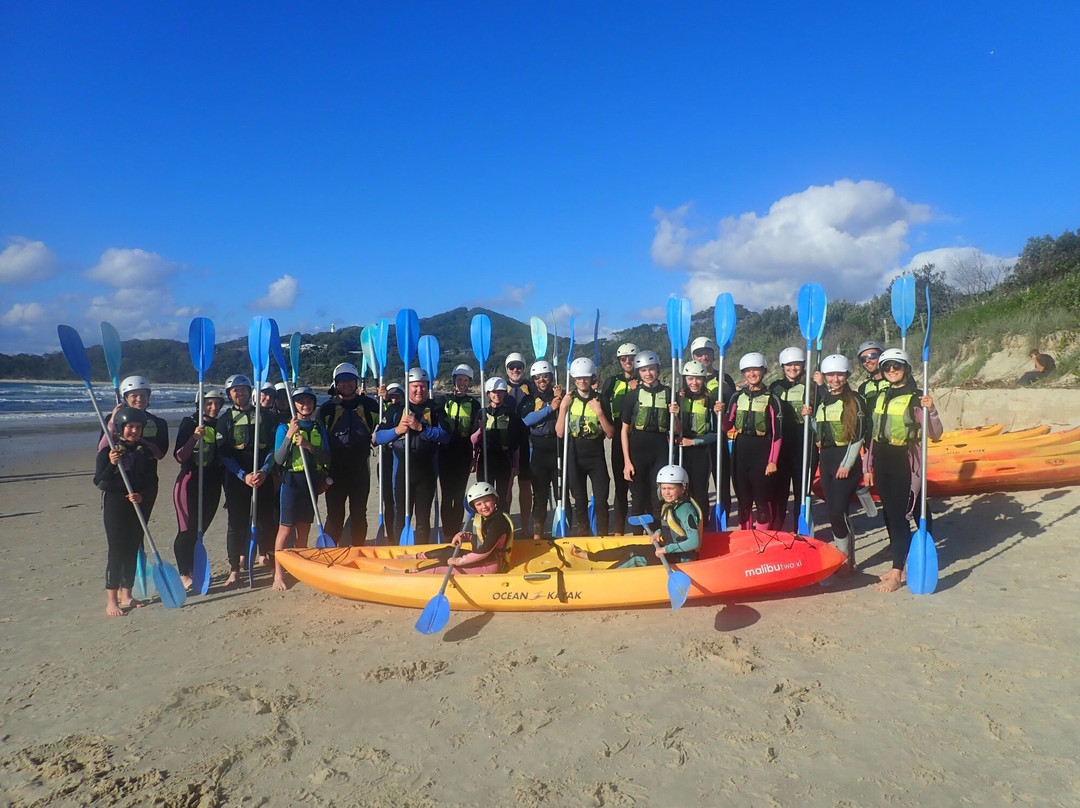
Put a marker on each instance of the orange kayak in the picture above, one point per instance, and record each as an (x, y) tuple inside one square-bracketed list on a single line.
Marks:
[(544, 576), (1020, 436), (1067, 441), (981, 476), (974, 432)]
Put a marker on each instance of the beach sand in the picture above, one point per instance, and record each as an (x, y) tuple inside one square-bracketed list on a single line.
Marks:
[(833, 696)]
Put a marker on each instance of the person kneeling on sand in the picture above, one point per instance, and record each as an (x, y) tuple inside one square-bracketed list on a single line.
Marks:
[(491, 538)]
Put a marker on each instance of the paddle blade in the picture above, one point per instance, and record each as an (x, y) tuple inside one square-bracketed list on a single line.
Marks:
[(380, 533), (407, 538), (200, 569), (558, 523), (570, 350), (408, 332), (539, 337), (428, 348), (922, 563), (678, 587), (168, 583), (74, 351), (276, 350), (596, 347), (324, 540), (201, 343), (674, 321), (555, 345), (812, 305), (363, 366), (367, 345), (382, 339), (592, 515), (804, 525), (110, 344), (926, 339), (294, 357), (259, 348), (144, 579), (903, 302), (251, 561), (480, 335), (435, 615), (685, 316), (724, 320)]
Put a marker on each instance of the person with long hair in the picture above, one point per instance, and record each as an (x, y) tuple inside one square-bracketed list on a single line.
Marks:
[(893, 462)]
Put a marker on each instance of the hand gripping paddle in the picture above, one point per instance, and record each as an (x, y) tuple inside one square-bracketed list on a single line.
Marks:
[(201, 348), (678, 582), (724, 324)]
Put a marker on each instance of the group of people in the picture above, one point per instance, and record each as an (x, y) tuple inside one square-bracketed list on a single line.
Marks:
[(631, 440)]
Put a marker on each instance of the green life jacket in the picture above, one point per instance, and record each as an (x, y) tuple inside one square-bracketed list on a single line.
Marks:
[(619, 389), (584, 423), (498, 426), (507, 527), (694, 414), (210, 445), (870, 390), (830, 424), (794, 396), (751, 417), (459, 414), (651, 414), (894, 420), (243, 427), (295, 461)]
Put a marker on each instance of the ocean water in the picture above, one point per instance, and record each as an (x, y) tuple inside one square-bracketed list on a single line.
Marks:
[(68, 401)]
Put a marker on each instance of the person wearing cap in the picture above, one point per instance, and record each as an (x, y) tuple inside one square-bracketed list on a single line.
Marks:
[(519, 389), (456, 455), (869, 354), (790, 391), (300, 444), (506, 437), (135, 392), (645, 417), (243, 471), (349, 419), (695, 430), (540, 412), (123, 531), (893, 461), (612, 394), (425, 422), (186, 488), (755, 415), (582, 413), (840, 423)]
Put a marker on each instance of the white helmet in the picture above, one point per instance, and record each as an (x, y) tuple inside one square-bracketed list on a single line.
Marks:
[(702, 344), (463, 370), (753, 360), (133, 383), (479, 491), (494, 384), (870, 345), (694, 368), (790, 356), (582, 368), (268, 387), (540, 368), (646, 358), (627, 349), (395, 388), (835, 363), (419, 375), (514, 357), (213, 392), (281, 387), (303, 390), (894, 355), (346, 369), (237, 380), (672, 474)]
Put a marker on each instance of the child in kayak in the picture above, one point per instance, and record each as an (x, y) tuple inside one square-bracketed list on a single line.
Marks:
[(123, 531), (679, 533), (490, 540)]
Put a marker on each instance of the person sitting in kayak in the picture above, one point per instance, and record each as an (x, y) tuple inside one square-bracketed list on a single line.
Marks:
[(491, 538), (679, 533)]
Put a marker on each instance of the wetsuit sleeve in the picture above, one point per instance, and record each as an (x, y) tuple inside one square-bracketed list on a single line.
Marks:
[(607, 392), (185, 441), (385, 433), (732, 405), (281, 449), (777, 421), (934, 427), (438, 432), (159, 446), (854, 449), (104, 471), (537, 416), (493, 530)]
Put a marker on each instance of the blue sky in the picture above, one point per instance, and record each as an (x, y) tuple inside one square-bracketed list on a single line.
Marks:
[(336, 164)]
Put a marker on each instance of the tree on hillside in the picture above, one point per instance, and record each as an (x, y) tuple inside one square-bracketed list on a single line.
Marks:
[(976, 275)]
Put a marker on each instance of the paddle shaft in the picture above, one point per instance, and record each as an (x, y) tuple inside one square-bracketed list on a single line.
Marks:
[(720, 436), (304, 460), (925, 444), (804, 482)]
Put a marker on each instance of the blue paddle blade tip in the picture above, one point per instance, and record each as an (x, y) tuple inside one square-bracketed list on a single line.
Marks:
[(922, 564), (678, 588), (324, 541), (435, 616), (169, 586)]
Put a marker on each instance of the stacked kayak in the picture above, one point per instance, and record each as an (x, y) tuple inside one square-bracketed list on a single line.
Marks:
[(546, 576)]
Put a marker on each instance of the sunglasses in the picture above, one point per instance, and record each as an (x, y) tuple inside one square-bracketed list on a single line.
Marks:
[(890, 366), (866, 357)]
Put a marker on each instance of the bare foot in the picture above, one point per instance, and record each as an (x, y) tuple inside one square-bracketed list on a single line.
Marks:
[(112, 605), (890, 581), (279, 584), (131, 603), (233, 575), (186, 580), (261, 561)]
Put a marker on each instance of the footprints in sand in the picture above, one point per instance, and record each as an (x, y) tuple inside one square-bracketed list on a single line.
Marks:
[(419, 670), (729, 652)]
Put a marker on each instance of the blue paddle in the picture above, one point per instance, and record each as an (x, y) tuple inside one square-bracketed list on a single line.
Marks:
[(555, 349), (678, 343), (428, 348), (259, 338), (812, 308), (201, 348), (539, 337), (323, 539), (110, 345), (922, 561), (378, 337), (166, 578), (903, 305), (294, 357), (596, 364), (559, 524), (480, 337), (437, 612), (724, 324), (408, 333), (143, 588), (678, 582)]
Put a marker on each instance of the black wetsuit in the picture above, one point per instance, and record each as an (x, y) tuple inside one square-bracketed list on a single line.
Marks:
[(645, 411), (456, 458), (349, 424), (186, 488), (612, 394), (540, 418), (789, 482), (123, 531), (236, 430)]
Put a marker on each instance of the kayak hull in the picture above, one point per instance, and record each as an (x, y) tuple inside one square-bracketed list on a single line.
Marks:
[(544, 576)]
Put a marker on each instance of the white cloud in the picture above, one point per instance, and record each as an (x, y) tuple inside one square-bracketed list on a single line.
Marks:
[(950, 259), (281, 294), (24, 315), (121, 268), (848, 236), (25, 261), (138, 314), (511, 297)]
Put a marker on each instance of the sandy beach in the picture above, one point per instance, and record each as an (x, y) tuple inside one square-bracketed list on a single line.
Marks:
[(832, 696)]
